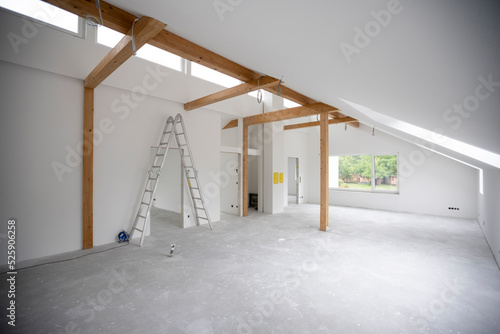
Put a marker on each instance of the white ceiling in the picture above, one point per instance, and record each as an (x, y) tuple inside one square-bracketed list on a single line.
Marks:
[(426, 59)]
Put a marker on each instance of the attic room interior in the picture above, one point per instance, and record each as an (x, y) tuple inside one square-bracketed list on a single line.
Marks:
[(236, 166)]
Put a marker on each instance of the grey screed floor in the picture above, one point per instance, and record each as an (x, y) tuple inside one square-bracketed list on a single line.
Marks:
[(372, 272)]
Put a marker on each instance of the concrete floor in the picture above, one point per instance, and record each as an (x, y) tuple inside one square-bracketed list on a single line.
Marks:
[(372, 272)]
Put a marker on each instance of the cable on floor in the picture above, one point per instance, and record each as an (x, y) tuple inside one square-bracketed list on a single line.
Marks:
[(60, 261)]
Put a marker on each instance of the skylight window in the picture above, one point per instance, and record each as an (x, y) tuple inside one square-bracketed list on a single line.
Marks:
[(290, 104), (208, 74), (474, 152), (110, 38), (45, 13)]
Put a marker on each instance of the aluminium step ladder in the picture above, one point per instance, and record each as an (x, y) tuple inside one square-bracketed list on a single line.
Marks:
[(173, 127)]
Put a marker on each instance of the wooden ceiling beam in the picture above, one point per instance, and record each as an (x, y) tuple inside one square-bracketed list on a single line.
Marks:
[(242, 89), (291, 95), (231, 124), (289, 113), (330, 121), (144, 29)]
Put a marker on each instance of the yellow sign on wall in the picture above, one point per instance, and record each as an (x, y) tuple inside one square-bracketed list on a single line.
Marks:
[(281, 177), (276, 178)]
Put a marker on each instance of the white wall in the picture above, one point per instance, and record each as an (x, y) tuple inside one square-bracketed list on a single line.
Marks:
[(40, 121), (229, 183), (489, 209), (168, 193), (429, 185)]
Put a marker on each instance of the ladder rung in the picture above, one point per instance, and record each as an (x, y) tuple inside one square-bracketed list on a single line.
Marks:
[(165, 143), (138, 229), (148, 191), (180, 133), (167, 132), (200, 208), (191, 177), (153, 179), (156, 166), (189, 167), (144, 203), (160, 155), (203, 218), (141, 216)]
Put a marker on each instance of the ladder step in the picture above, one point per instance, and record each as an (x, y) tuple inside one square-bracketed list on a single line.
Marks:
[(144, 203), (148, 191), (138, 229), (202, 218), (200, 208), (180, 133), (160, 155), (141, 216)]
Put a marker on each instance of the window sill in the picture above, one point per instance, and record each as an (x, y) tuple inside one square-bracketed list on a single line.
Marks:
[(366, 191)]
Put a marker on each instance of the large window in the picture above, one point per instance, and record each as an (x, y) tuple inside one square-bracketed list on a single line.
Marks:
[(45, 13), (364, 172)]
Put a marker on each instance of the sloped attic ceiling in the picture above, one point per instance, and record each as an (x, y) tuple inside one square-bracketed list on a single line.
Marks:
[(420, 62)]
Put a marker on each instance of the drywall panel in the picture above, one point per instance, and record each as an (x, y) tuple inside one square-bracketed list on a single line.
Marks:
[(489, 209), (41, 178), (229, 183), (168, 193), (203, 128), (429, 182)]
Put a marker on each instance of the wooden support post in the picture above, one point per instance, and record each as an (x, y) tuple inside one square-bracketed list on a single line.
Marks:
[(324, 155), (245, 169), (88, 168)]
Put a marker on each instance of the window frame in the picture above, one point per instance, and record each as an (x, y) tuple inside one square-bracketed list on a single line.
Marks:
[(373, 179), (82, 31)]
